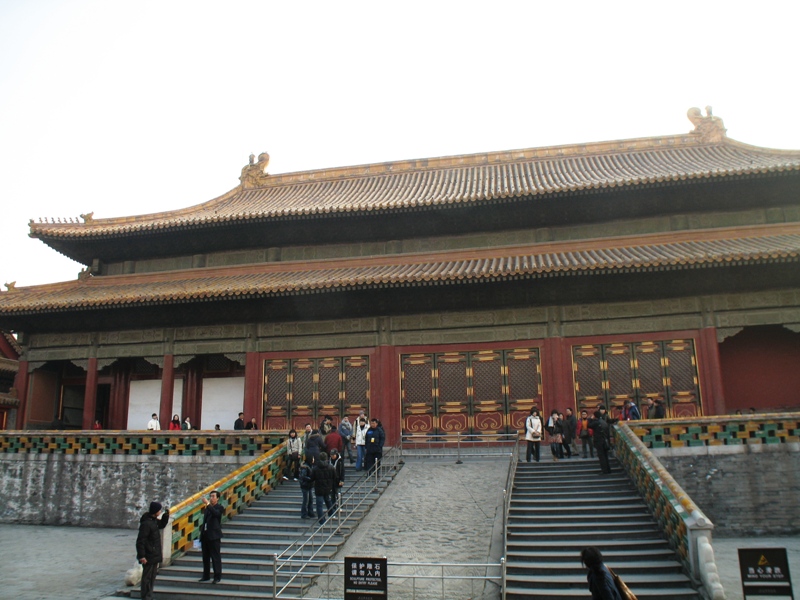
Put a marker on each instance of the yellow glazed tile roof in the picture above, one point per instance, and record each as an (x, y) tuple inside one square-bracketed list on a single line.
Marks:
[(704, 153), (681, 250)]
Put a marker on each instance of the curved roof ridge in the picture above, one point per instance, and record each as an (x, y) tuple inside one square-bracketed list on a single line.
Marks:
[(465, 178)]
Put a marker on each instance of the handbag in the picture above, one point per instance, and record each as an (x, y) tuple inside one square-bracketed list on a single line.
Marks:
[(624, 591)]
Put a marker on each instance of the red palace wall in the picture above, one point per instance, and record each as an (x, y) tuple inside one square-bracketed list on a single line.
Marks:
[(761, 369)]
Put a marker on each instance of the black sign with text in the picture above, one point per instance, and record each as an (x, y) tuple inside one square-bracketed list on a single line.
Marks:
[(765, 572), (365, 578)]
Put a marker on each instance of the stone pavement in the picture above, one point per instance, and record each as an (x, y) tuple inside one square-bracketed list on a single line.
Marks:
[(434, 511)]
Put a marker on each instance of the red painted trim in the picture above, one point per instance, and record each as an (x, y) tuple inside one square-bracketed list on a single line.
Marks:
[(434, 348), (90, 395), (659, 336), (21, 381), (167, 388), (253, 388), (7, 349)]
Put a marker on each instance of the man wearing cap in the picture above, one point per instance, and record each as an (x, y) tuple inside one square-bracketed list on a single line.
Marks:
[(148, 546)]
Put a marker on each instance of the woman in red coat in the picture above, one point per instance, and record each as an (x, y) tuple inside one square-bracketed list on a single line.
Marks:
[(175, 424)]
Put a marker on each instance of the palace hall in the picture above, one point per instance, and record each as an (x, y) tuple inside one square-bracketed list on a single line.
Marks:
[(443, 295)]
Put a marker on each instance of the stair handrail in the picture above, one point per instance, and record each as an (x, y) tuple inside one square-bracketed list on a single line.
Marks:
[(237, 490), (510, 477), (346, 508), (689, 532)]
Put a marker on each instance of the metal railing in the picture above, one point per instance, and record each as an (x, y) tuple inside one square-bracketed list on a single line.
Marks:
[(459, 445), (512, 471), (412, 581), (348, 513)]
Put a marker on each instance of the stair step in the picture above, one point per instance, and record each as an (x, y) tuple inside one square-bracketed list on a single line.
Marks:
[(546, 593), (574, 567)]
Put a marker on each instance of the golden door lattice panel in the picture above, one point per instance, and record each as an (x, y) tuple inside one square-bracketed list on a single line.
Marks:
[(472, 392), (613, 373), (303, 390)]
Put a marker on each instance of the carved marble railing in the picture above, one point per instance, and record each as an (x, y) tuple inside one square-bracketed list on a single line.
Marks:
[(237, 491), (773, 428), (141, 443), (687, 529)]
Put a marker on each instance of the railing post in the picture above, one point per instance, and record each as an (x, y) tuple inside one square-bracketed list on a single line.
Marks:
[(458, 446), (274, 575)]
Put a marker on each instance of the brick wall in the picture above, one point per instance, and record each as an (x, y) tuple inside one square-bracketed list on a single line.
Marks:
[(744, 490), (101, 491)]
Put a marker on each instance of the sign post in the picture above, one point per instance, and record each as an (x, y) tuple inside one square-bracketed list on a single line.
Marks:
[(365, 578), (765, 572)]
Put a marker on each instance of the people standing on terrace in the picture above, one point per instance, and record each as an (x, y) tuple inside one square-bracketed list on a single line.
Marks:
[(314, 446), (334, 441), (554, 436), (361, 440), (585, 435), (533, 435), (153, 424), (252, 424), (175, 424), (373, 444), (294, 448), (571, 430), (566, 436), (238, 424), (187, 424), (346, 431)]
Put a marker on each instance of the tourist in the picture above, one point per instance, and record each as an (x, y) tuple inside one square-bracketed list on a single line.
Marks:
[(373, 444), (361, 440), (314, 446), (661, 412), (216, 427), (599, 428), (601, 583), (571, 429), (252, 424), (585, 435), (566, 437), (293, 449), (333, 441), (630, 412), (186, 425), (211, 536), (326, 426), (148, 546), (346, 431), (97, 425), (533, 435), (175, 424), (651, 409), (153, 424), (324, 478), (337, 462), (238, 424), (555, 436), (306, 485)]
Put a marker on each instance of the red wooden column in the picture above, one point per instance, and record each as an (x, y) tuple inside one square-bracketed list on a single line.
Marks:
[(557, 390), (21, 385), (253, 387), (710, 373), (167, 389), (384, 389), (120, 396), (193, 393), (90, 395)]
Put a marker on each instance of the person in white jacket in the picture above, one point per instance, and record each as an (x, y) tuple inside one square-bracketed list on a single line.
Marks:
[(153, 424), (361, 441), (533, 435)]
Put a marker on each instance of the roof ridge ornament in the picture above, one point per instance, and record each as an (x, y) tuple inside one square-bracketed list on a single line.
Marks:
[(709, 128), (255, 173)]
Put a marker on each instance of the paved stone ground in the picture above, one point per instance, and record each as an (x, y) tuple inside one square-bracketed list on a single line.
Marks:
[(727, 557), (54, 563), (435, 511)]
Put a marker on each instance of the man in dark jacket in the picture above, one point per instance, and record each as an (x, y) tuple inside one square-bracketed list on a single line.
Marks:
[(314, 445), (599, 428), (373, 446), (571, 430), (148, 546), (324, 477), (238, 424), (211, 536)]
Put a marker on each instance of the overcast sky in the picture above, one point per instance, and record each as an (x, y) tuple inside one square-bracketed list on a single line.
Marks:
[(130, 107)]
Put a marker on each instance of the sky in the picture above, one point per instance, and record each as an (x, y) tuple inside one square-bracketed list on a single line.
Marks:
[(124, 107)]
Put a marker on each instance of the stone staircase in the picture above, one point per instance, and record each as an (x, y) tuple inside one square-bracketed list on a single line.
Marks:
[(267, 527), (557, 509)]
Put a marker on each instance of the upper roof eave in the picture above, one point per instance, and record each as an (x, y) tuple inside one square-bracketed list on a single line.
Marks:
[(456, 179)]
